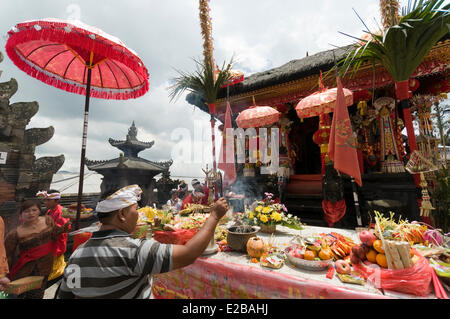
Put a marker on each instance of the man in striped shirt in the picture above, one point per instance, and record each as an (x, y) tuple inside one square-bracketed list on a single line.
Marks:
[(111, 264)]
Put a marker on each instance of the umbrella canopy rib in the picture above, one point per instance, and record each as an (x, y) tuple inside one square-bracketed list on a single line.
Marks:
[(100, 74), (50, 60), (68, 66), (126, 76), (115, 78), (137, 76), (41, 47)]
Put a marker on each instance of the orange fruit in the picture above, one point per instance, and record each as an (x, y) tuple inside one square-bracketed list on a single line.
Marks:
[(310, 255), (378, 246), (325, 254), (381, 260), (372, 256), (411, 252)]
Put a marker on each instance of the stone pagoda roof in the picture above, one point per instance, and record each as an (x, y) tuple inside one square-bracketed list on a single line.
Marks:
[(130, 163), (129, 159), (131, 146)]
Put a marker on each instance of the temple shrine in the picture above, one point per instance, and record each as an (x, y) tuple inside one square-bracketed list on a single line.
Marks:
[(130, 169), (378, 121)]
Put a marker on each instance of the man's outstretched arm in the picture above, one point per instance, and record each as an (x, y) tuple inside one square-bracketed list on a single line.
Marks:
[(184, 255)]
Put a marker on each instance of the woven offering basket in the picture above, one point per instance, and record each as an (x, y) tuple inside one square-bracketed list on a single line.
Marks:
[(19, 286)]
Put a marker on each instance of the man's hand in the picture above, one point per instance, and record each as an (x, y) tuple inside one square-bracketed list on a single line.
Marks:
[(219, 208), (4, 283)]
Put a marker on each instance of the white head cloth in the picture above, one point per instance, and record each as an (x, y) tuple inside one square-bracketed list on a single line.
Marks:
[(45, 195), (124, 197)]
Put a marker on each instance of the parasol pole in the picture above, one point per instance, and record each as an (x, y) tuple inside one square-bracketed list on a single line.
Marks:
[(355, 190), (83, 145)]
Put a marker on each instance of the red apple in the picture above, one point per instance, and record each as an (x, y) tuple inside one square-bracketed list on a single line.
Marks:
[(343, 267), (367, 237), (298, 253)]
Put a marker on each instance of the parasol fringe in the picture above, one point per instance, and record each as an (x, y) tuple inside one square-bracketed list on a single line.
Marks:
[(76, 39), (76, 89)]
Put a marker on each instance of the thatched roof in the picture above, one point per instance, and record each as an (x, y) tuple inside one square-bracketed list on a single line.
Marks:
[(298, 78), (293, 70)]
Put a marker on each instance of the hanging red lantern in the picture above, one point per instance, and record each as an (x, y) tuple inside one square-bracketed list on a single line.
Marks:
[(413, 84)]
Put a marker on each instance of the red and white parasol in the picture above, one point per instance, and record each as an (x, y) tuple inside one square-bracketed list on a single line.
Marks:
[(77, 58), (60, 53), (321, 102), (257, 116)]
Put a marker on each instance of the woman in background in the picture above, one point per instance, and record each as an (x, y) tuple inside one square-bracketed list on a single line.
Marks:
[(54, 209), (34, 239)]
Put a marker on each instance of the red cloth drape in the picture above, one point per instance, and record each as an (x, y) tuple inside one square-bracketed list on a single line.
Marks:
[(61, 242), (227, 165), (30, 255), (333, 212), (342, 145)]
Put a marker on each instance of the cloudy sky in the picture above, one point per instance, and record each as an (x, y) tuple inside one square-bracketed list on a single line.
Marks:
[(262, 34)]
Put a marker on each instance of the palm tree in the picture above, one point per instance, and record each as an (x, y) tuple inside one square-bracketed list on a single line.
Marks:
[(402, 47), (205, 81)]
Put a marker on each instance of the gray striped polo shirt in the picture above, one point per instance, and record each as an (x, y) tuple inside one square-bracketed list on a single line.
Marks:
[(113, 265)]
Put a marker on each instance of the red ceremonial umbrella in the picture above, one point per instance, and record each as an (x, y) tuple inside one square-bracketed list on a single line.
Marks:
[(319, 104), (257, 116), (77, 58)]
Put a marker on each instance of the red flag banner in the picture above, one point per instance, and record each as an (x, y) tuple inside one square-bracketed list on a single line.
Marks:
[(342, 145), (226, 156)]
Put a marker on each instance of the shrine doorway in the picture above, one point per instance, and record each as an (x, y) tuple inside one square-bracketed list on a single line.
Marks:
[(307, 153)]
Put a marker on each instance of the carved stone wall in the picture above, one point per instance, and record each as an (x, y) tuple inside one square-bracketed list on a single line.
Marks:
[(21, 175)]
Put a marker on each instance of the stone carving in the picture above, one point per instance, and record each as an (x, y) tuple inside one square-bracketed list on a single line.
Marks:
[(38, 136), (22, 175)]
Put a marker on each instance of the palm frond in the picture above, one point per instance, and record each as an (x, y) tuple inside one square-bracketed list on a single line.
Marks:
[(203, 81), (402, 47)]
